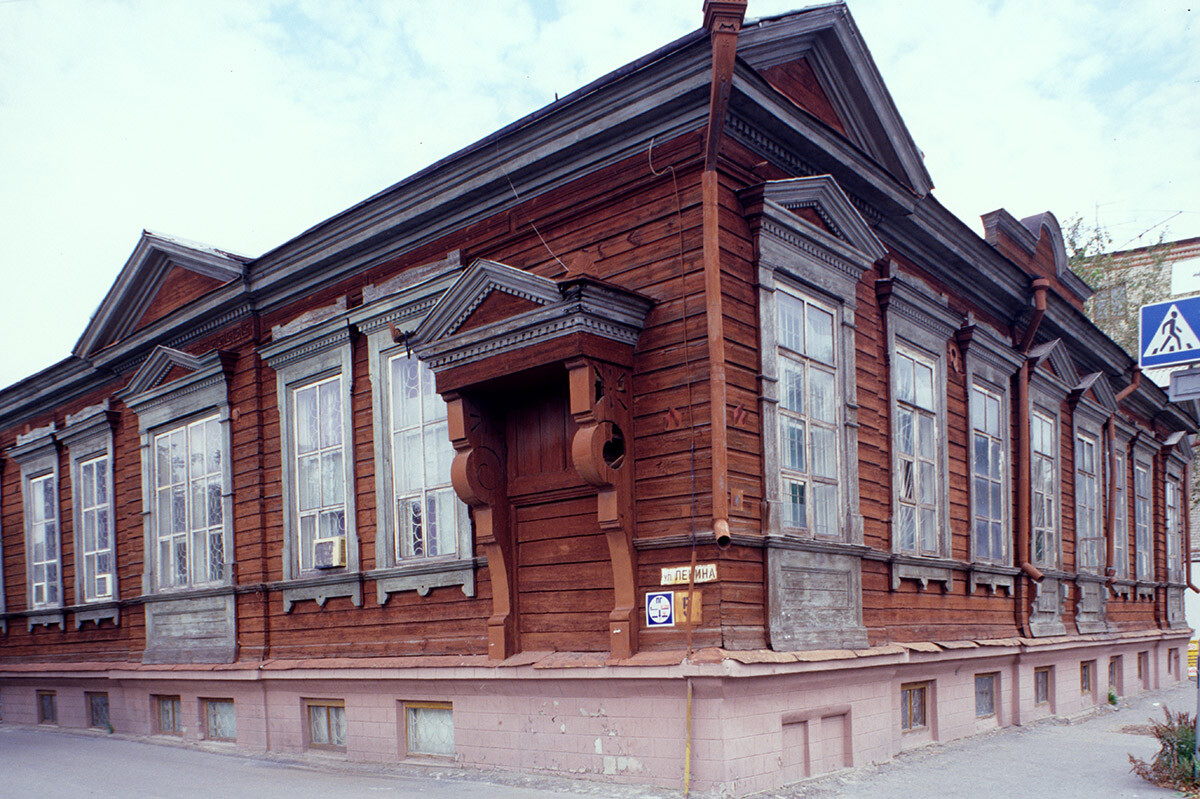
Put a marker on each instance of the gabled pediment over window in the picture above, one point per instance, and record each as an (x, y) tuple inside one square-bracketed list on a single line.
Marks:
[(1096, 387), (495, 309), (820, 203), (163, 366), (161, 276), (1052, 359), (817, 58)]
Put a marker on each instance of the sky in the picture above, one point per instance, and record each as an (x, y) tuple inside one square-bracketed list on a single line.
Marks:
[(242, 124)]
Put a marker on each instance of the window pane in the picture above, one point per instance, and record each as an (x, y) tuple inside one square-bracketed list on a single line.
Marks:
[(332, 479), (981, 497), (309, 482), (793, 444), (908, 528), (430, 731), (904, 424), (820, 335), (408, 461), (824, 397), (222, 720), (337, 726), (824, 452), (443, 507), (306, 420), (318, 724), (795, 498), (825, 509), (925, 437), (791, 386), (982, 454), (439, 453), (904, 378), (928, 530), (791, 321), (923, 385)]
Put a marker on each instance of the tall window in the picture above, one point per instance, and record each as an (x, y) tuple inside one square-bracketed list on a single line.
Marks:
[(1088, 527), (916, 446), (1044, 479), (428, 512), (1141, 521), (1121, 519), (808, 415), (988, 497), (320, 475), (1174, 531), (43, 513), (187, 495), (95, 514)]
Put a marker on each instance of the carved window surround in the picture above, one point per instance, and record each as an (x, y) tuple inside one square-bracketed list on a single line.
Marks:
[(36, 454), (315, 347), (88, 435), (395, 308)]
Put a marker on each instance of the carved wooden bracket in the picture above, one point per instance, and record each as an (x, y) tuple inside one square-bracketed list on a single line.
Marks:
[(479, 477), (601, 399)]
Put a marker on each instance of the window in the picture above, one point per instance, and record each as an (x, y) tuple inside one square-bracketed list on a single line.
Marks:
[(167, 715), (188, 507), (1087, 676), (985, 695), (36, 452), (1121, 519), (87, 437), (311, 357), (47, 707), (1108, 303), (808, 415), (1041, 685), (1143, 669), (429, 728), (989, 499), (326, 724), (1044, 481), (318, 467), (429, 514), (95, 514), (1088, 525), (1141, 521), (220, 720), (42, 507), (916, 445), (1115, 675), (913, 697), (1174, 531), (97, 706), (1173, 663)]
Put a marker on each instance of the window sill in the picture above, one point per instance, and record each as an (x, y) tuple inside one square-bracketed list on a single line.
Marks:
[(925, 570), (322, 588), (97, 611), (422, 575), (45, 617), (1122, 588), (1144, 590), (992, 575)]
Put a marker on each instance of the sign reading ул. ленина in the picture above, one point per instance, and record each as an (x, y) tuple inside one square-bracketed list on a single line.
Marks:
[(1167, 333)]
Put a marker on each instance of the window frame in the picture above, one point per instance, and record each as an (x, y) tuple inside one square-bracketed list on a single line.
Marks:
[(1085, 437), (1043, 686), (37, 457), (206, 726), (1173, 509), (175, 703), (990, 365), (919, 321), (400, 304), (1116, 674), (1040, 413), (1121, 515), (908, 701), (88, 438), (43, 717), (408, 711), (916, 460), (313, 348), (1143, 521), (833, 369), (307, 706), (1087, 678), (90, 698), (993, 679)]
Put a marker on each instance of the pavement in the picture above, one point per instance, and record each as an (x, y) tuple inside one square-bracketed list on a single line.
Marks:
[(1085, 757)]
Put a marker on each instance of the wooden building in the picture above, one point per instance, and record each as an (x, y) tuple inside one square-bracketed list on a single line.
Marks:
[(436, 479)]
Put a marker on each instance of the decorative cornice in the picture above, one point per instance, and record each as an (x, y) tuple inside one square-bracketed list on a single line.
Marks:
[(310, 318), (95, 420), (412, 277), (37, 443), (318, 338)]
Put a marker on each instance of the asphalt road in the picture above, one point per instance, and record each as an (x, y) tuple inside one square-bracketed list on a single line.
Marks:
[(1087, 758)]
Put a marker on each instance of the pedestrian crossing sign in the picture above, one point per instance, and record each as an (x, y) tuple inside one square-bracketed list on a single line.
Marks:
[(1168, 334)]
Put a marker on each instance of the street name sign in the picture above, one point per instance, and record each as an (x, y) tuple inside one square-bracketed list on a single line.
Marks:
[(1168, 333)]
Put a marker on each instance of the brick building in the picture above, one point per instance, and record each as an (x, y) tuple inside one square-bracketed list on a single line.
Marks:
[(675, 429)]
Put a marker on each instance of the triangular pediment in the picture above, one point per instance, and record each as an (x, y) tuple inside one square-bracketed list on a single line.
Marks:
[(163, 366), (821, 203), (1098, 389), (1052, 357), (487, 292), (818, 59), (162, 275)]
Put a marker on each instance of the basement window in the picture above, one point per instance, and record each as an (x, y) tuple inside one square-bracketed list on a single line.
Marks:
[(326, 723), (166, 715), (47, 707), (985, 695), (220, 720), (1041, 685), (429, 728), (97, 706), (913, 703)]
